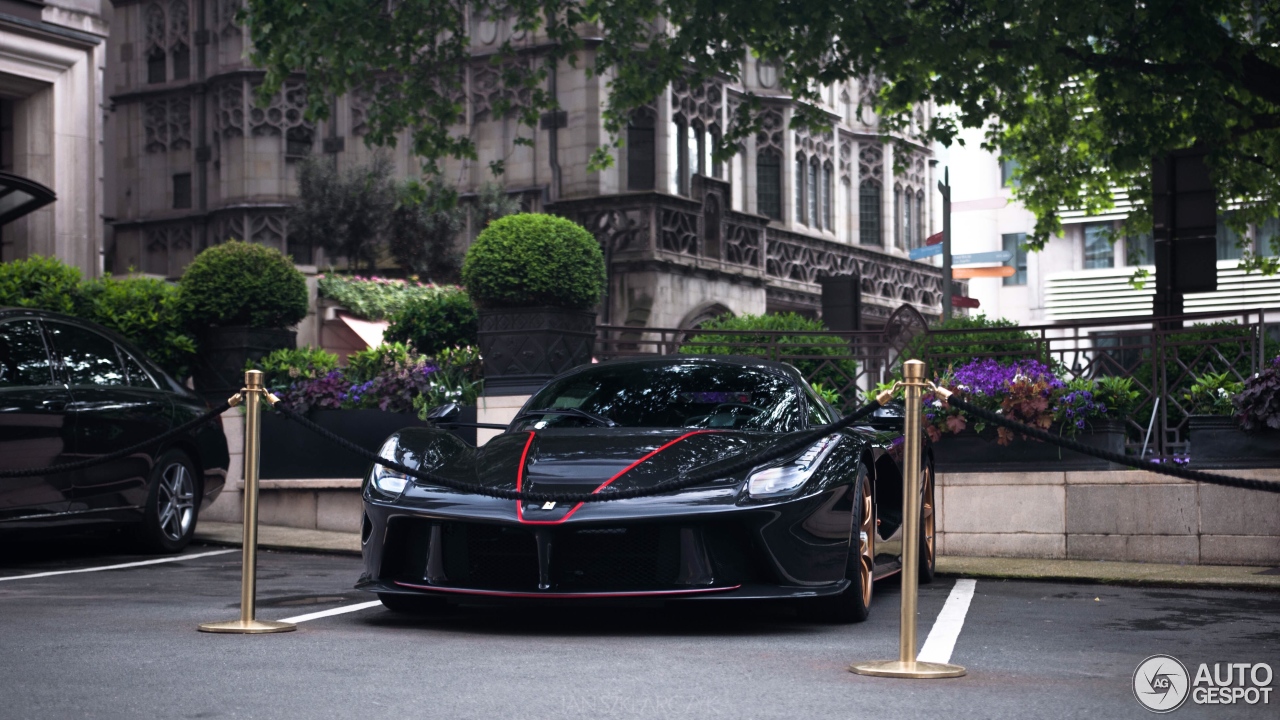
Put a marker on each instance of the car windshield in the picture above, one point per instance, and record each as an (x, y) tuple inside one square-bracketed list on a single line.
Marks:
[(692, 395)]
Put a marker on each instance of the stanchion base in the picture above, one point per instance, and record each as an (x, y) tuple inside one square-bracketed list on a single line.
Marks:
[(913, 669), (251, 627)]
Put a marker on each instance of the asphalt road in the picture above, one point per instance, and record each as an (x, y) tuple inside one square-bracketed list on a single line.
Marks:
[(123, 643)]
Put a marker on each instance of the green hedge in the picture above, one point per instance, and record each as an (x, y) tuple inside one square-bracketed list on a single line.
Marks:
[(145, 311), (432, 323), (531, 260), (239, 283), (730, 335)]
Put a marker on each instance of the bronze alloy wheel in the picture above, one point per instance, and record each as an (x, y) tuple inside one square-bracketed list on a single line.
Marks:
[(928, 525), (867, 543)]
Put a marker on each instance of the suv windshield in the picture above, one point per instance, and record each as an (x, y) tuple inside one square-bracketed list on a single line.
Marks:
[(692, 395)]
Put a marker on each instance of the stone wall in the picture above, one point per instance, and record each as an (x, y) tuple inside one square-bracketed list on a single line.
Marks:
[(1110, 515)]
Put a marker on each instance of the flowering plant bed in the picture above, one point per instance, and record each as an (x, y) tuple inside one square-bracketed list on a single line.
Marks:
[(380, 391), (1030, 392)]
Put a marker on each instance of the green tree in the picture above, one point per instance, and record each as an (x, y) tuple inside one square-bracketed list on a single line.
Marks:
[(1081, 93), (344, 211), (423, 228)]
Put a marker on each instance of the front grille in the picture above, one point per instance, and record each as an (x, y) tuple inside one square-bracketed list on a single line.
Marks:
[(639, 557), (635, 557), (490, 557)]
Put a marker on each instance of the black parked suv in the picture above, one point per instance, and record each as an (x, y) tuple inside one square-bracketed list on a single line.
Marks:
[(70, 390)]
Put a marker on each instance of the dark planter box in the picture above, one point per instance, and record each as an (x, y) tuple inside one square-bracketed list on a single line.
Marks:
[(969, 451), (524, 347), (1216, 441), (292, 451), (219, 372)]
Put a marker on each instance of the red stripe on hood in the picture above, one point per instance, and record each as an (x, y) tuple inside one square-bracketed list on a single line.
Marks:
[(524, 457)]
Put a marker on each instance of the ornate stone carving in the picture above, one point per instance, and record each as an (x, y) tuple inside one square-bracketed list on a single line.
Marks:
[(846, 159), (166, 123), (742, 244), (283, 114), (871, 161), (703, 102), (229, 226), (868, 92), (229, 118), (820, 145), (268, 229), (770, 134), (489, 88), (885, 281), (225, 17), (155, 27), (179, 24), (622, 230), (678, 231), (168, 247)]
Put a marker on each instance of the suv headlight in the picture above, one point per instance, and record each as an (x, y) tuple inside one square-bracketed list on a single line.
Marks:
[(784, 479), (385, 479)]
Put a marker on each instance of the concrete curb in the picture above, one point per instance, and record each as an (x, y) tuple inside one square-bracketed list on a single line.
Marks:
[(271, 537), (1231, 577)]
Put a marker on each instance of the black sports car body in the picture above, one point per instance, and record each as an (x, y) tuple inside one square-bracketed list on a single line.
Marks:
[(803, 526)]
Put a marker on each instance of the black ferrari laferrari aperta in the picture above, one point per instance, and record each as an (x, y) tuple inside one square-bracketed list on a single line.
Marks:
[(803, 526)]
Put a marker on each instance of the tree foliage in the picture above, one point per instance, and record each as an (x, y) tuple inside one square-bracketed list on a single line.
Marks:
[(1081, 93), (344, 211)]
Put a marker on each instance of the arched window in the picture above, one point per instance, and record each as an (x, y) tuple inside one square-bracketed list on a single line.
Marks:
[(696, 149), (717, 168), (869, 213), (828, 221), (801, 215), (179, 22), (812, 183), (678, 158), (897, 216), (640, 150), (155, 28), (769, 184), (908, 229), (920, 231)]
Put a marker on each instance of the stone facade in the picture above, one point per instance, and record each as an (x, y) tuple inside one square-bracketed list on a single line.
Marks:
[(50, 125), (686, 237)]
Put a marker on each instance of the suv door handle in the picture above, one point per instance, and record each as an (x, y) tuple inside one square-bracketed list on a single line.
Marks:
[(54, 405)]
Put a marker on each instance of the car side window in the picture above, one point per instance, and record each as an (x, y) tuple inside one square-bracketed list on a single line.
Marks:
[(89, 358), (818, 413), (24, 360), (137, 376)]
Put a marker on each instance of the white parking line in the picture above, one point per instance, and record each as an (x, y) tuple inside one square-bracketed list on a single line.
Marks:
[(140, 563), (334, 611), (946, 629)]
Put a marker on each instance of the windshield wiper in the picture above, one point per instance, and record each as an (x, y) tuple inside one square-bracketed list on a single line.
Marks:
[(597, 419)]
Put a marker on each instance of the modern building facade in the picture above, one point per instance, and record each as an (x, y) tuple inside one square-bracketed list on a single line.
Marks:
[(52, 54), (195, 162), (1085, 273)]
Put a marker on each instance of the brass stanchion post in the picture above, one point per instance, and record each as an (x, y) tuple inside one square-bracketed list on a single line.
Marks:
[(906, 666), (252, 394)]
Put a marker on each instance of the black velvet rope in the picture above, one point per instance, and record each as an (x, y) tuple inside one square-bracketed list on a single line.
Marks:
[(123, 452), (697, 477), (1118, 458)]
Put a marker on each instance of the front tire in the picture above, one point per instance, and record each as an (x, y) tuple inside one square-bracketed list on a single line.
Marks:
[(854, 604), (169, 515)]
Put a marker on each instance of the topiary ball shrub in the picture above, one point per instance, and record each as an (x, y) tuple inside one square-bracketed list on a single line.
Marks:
[(531, 260), (40, 282), (430, 324), (242, 284)]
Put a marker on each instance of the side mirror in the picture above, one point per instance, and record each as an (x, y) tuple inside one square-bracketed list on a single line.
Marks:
[(444, 413)]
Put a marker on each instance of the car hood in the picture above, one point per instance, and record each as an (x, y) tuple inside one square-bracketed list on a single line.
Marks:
[(582, 460)]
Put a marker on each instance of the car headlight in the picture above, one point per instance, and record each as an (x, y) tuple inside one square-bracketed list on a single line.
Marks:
[(783, 479), (385, 479)]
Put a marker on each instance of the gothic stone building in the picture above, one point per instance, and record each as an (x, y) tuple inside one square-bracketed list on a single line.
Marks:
[(194, 162)]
